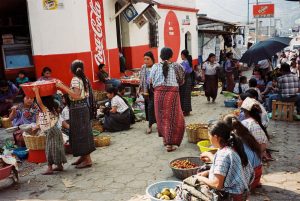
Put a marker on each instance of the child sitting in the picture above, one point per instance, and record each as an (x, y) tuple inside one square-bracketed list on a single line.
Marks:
[(259, 79), (47, 122), (242, 86), (21, 79), (253, 85)]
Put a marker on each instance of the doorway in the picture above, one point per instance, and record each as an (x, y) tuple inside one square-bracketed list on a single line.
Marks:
[(188, 42), (15, 44), (122, 29)]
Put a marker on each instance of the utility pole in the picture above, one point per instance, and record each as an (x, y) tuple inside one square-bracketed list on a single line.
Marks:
[(256, 26)]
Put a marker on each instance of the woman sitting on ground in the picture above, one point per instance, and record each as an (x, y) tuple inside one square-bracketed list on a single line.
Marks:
[(118, 117), (254, 124), (25, 113), (230, 171), (251, 147), (251, 93), (242, 86)]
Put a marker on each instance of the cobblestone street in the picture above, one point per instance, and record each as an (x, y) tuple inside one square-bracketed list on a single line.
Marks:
[(134, 160)]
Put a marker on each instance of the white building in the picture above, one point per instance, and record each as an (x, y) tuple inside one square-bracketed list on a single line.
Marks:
[(91, 31)]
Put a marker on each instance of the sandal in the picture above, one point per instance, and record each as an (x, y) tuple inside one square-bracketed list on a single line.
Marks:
[(170, 148), (83, 165), (47, 173), (80, 160), (149, 131)]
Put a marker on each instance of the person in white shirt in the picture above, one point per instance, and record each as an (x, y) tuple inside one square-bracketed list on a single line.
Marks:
[(242, 86), (118, 118), (64, 117)]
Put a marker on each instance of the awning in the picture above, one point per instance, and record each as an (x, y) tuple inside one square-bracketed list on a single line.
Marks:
[(206, 20), (216, 32)]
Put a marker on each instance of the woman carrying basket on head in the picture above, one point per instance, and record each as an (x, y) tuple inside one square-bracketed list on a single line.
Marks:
[(81, 137)]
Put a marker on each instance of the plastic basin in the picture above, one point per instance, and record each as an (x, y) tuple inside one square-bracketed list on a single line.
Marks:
[(155, 188)]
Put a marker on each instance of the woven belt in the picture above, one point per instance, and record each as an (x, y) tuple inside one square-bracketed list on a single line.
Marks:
[(79, 101)]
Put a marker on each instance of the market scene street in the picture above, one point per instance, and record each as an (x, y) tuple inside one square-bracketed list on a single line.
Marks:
[(148, 100)]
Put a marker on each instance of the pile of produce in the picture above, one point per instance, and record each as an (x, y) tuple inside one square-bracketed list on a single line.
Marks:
[(166, 194), (183, 164)]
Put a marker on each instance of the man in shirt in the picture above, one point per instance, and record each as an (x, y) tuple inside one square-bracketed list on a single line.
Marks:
[(288, 86), (104, 77)]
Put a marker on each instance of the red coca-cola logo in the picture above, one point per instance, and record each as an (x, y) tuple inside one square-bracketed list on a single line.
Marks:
[(263, 9), (96, 23)]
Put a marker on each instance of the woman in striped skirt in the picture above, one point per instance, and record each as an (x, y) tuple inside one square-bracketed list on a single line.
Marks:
[(81, 137)]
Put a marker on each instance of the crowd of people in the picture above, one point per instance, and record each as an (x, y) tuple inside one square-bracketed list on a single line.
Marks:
[(166, 86)]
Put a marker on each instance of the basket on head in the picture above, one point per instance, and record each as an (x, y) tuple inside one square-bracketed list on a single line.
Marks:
[(35, 142), (46, 88), (185, 173)]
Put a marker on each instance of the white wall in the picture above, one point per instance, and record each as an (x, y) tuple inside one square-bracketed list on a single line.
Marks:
[(59, 31), (183, 29), (110, 25), (182, 3)]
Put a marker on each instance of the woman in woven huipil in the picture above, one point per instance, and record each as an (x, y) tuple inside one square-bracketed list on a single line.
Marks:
[(81, 137), (186, 89), (47, 122), (166, 78), (146, 89)]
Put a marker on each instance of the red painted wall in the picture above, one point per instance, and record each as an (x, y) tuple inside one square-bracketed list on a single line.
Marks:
[(61, 63), (135, 55), (172, 34)]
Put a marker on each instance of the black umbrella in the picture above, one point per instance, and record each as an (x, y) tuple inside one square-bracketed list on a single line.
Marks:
[(265, 49)]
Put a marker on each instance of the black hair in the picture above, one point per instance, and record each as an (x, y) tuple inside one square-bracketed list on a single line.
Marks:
[(243, 96), (22, 72), (112, 90), (121, 88), (242, 78), (252, 82), (46, 69), (101, 66), (229, 54), (4, 83), (222, 130), (188, 57), (210, 56), (166, 54), (150, 54), (285, 68), (78, 70), (255, 113), (50, 104), (252, 93), (241, 131), (67, 99)]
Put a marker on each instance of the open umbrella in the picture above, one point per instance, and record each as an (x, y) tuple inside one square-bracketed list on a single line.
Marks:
[(265, 49)]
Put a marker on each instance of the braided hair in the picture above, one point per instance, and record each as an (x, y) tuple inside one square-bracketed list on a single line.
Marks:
[(166, 54), (78, 70)]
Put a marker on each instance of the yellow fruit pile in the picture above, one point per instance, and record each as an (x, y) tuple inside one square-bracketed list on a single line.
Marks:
[(166, 194)]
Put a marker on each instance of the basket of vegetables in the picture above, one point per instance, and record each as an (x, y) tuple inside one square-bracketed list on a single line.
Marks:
[(185, 167), (197, 132)]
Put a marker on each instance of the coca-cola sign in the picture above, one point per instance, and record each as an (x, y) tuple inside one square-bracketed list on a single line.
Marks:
[(97, 32), (263, 10)]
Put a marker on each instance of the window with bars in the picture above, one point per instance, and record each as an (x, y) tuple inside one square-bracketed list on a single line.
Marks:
[(153, 35)]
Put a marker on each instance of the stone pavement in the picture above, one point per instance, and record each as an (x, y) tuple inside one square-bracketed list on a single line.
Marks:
[(134, 160)]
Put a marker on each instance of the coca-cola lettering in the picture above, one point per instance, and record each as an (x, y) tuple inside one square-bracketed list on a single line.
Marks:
[(263, 9), (97, 27)]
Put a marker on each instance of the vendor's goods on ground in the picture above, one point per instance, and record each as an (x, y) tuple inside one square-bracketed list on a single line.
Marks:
[(6, 123), (163, 190), (197, 132), (183, 164), (185, 167), (167, 194)]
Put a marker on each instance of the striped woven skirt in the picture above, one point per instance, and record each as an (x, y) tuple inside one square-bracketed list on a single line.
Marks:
[(169, 116), (55, 151), (81, 136)]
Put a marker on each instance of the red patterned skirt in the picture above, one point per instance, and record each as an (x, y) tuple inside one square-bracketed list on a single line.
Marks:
[(169, 116), (258, 174)]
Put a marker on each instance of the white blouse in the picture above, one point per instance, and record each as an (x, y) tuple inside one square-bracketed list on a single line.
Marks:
[(210, 69), (119, 103), (46, 120)]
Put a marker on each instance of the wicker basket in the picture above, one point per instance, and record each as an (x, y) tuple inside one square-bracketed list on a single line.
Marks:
[(197, 132), (99, 95), (96, 125), (185, 173), (6, 123), (35, 142), (102, 141)]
